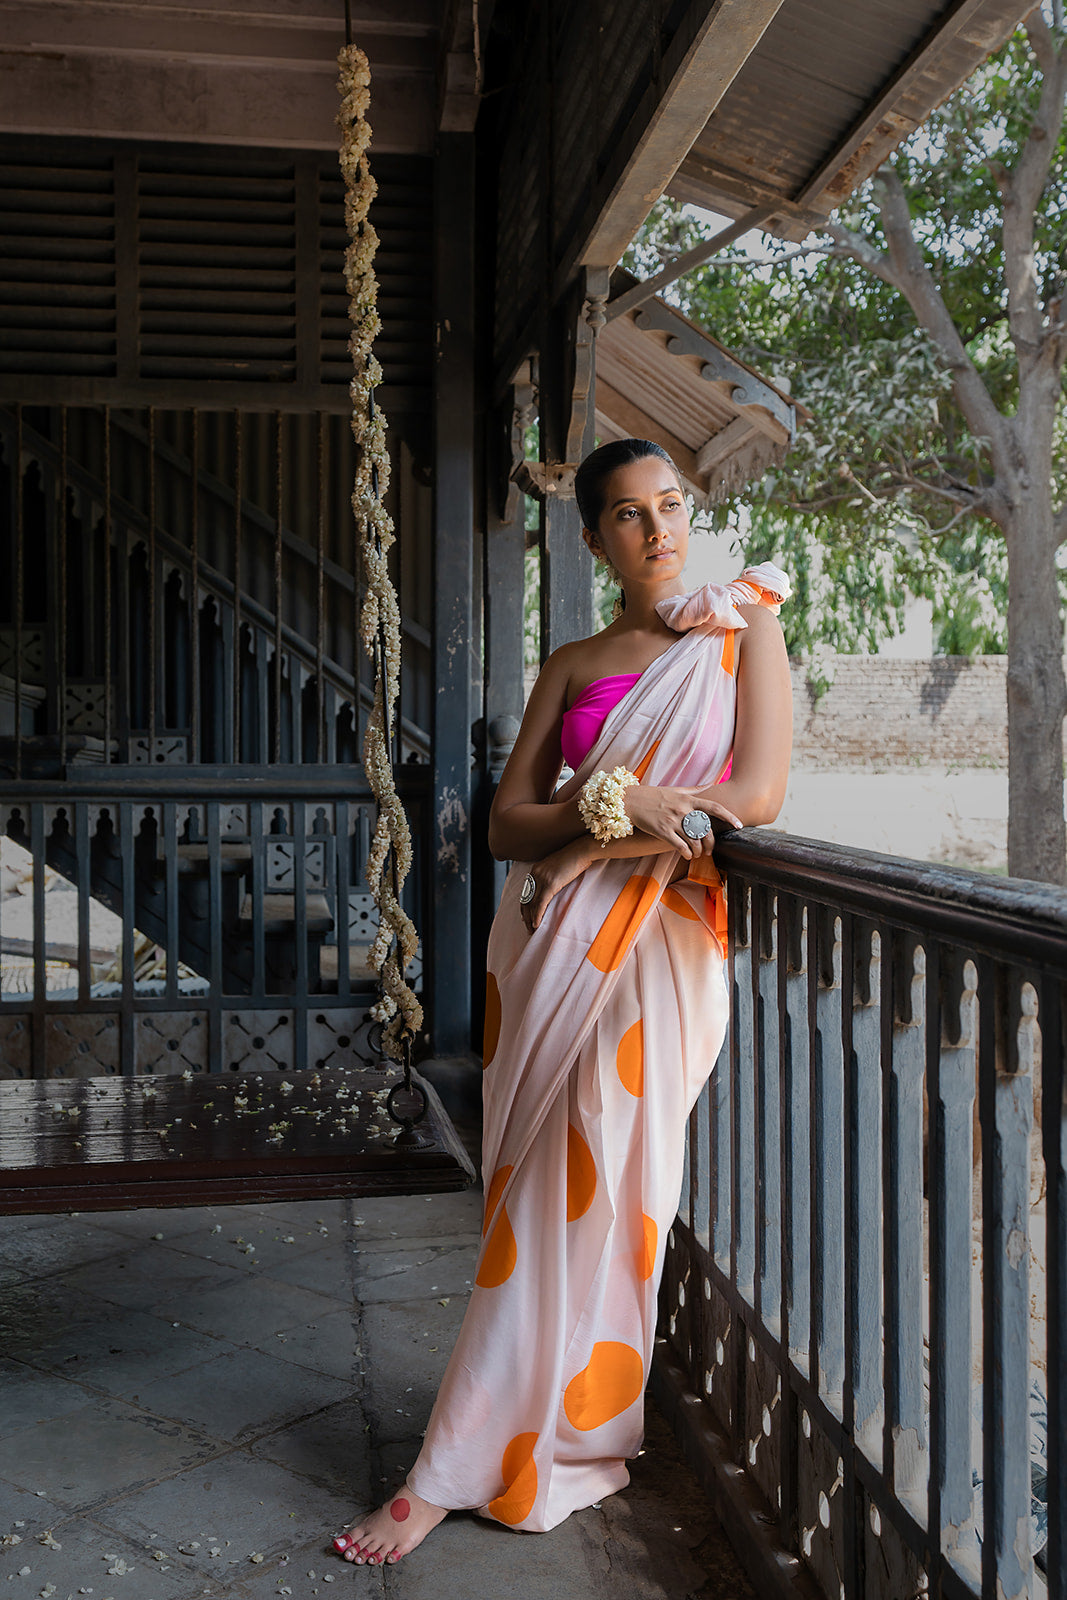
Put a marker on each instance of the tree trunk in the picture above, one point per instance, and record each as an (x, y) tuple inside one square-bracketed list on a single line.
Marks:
[(1037, 695)]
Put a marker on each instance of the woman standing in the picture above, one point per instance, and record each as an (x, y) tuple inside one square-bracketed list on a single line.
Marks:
[(606, 1009)]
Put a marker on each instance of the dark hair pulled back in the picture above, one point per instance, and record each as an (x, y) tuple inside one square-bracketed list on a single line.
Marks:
[(598, 466)]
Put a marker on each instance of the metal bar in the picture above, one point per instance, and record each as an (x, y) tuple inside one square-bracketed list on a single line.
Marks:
[(153, 599), (170, 872), (1006, 1063), (742, 1155), (300, 934), (828, 1136), (39, 1057), (84, 886), (850, 937), (950, 1093), (125, 816), (235, 748), (768, 1113), (257, 824), (215, 1011), (863, 1082), (905, 1437), (109, 685), (195, 750), (62, 643), (1054, 1144), (278, 490), (342, 882), (20, 584), (792, 1142), (322, 445)]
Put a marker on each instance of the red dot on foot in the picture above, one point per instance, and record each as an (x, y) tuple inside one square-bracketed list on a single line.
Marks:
[(400, 1510)]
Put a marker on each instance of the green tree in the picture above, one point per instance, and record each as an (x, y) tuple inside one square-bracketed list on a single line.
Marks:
[(926, 331)]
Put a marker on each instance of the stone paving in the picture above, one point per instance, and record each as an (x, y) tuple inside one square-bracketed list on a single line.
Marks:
[(192, 1402)]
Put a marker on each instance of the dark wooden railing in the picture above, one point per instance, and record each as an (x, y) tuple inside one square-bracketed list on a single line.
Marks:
[(250, 888), (864, 1309)]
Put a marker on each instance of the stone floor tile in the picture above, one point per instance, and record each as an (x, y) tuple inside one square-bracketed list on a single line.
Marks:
[(332, 1581), (122, 1351), (332, 1448), (269, 1243), (98, 1559), (253, 1506), (148, 1274), (311, 1215), (30, 1311), (407, 1345), (242, 1394), (102, 1450), (28, 1397), (411, 1218), (246, 1309), (421, 1274), (67, 1243), (167, 1220), (331, 1344), (327, 1271), (494, 1562), (35, 1511)]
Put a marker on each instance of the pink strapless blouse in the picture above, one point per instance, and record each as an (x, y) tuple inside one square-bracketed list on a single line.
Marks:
[(583, 722)]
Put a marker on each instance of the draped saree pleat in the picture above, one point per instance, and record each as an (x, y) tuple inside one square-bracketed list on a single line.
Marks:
[(601, 1029)]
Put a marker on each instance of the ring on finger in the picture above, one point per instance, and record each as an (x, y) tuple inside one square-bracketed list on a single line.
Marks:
[(528, 890)]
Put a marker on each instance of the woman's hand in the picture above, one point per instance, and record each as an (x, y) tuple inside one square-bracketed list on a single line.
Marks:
[(553, 874), (660, 812)]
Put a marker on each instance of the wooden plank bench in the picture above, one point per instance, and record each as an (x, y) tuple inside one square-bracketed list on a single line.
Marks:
[(96, 1144)]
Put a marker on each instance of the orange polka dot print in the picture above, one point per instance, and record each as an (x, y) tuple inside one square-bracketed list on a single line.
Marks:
[(610, 1383), (491, 1035), (646, 1256), (493, 1193), (630, 1059), (500, 1254), (519, 1472), (581, 1175)]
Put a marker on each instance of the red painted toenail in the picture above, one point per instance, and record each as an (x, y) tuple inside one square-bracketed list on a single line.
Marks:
[(400, 1510)]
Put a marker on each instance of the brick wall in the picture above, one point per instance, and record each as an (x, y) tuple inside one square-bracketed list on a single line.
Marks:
[(950, 710)]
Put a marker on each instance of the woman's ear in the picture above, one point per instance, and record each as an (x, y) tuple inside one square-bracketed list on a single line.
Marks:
[(592, 542)]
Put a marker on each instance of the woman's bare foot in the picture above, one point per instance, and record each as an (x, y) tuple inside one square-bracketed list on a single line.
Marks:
[(392, 1531)]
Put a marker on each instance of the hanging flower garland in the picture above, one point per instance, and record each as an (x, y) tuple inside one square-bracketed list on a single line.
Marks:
[(396, 941)]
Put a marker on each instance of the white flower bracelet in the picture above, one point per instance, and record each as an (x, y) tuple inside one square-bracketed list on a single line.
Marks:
[(600, 802)]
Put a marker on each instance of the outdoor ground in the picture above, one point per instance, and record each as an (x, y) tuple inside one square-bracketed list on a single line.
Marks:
[(192, 1402)]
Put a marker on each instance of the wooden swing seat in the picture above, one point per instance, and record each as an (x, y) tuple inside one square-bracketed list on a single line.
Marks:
[(116, 1143)]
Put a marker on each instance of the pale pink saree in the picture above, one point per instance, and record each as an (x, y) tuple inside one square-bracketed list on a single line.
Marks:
[(601, 1029)]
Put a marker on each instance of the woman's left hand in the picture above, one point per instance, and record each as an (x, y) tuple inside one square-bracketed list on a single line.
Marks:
[(550, 876), (660, 812)]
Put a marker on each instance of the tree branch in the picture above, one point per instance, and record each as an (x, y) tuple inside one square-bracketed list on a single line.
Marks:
[(862, 250), (917, 285), (1022, 188)]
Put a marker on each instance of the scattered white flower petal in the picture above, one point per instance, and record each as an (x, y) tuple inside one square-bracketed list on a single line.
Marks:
[(9, 1540), (48, 1539), (159, 1555), (256, 1557), (119, 1570), (48, 1591), (217, 1228), (24, 1572), (157, 1236)]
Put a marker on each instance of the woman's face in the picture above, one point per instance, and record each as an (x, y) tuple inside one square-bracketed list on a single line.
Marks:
[(644, 526)]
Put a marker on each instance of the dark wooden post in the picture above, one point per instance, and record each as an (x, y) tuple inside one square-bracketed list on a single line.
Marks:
[(455, 669), (567, 411)]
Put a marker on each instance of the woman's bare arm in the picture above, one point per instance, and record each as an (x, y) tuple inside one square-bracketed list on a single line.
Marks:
[(524, 822), (763, 736)]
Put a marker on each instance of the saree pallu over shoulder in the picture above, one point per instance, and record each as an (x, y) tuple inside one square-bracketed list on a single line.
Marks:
[(601, 1029)]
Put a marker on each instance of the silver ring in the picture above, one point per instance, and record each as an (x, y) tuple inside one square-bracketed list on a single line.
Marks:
[(529, 888), (696, 824)]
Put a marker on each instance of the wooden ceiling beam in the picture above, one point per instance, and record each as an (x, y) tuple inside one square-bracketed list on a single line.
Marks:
[(286, 105), (709, 48)]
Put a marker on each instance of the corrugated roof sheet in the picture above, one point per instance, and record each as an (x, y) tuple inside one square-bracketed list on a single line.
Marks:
[(819, 74)]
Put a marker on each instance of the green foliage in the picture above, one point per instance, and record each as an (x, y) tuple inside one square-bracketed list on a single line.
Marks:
[(871, 502)]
